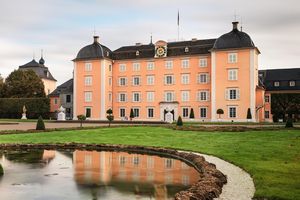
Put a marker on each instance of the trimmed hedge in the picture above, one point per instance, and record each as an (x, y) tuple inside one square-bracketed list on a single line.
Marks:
[(13, 107)]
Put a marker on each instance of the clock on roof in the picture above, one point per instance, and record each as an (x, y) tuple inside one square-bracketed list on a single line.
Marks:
[(160, 49)]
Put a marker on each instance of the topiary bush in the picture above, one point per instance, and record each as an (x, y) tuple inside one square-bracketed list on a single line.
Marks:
[(249, 116), (220, 112), (81, 118), (192, 114), (179, 121), (1, 170), (109, 116), (131, 116), (40, 125), (289, 123)]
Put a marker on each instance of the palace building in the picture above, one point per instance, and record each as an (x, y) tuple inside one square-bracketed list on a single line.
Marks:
[(164, 80)]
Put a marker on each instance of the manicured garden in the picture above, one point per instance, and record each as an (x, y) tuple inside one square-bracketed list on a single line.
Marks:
[(271, 157)]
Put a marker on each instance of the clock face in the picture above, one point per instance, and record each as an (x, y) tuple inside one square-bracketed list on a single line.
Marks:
[(160, 51)]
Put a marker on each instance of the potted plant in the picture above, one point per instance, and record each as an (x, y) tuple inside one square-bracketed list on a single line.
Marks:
[(220, 112)]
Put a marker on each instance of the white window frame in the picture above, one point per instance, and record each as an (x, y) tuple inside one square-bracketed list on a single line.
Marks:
[(133, 80), (88, 96), (88, 80), (170, 94), (136, 67), (267, 99), (200, 77), (150, 96), (185, 79), (150, 108), (200, 112), (166, 79), (276, 84), (232, 74), (228, 95), (203, 95), (232, 57), (88, 67), (134, 95), (150, 65), (185, 96), (229, 112), (85, 109), (122, 97), (203, 62), (267, 114), (122, 67), (122, 81), (185, 63), (292, 83), (120, 112), (134, 112), (150, 79), (169, 64), (185, 112)]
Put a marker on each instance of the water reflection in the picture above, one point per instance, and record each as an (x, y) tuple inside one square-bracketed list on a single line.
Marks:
[(92, 175)]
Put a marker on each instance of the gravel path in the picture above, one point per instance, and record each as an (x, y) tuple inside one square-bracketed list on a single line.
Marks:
[(239, 183)]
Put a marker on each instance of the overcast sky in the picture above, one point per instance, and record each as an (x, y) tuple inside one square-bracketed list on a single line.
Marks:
[(62, 27)]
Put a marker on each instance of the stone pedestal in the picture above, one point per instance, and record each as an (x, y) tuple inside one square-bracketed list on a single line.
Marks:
[(169, 117), (24, 116), (61, 115)]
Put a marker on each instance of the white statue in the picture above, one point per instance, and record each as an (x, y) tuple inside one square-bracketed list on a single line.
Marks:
[(24, 113), (169, 117), (61, 115)]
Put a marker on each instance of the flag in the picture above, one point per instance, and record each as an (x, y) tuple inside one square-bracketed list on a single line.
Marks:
[(178, 18)]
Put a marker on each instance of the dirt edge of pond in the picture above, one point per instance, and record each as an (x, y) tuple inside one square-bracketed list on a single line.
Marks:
[(208, 187)]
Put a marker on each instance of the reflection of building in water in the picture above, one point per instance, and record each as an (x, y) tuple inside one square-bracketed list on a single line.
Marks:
[(48, 155), (93, 167)]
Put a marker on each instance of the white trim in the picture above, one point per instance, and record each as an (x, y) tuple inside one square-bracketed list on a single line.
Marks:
[(102, 102), (252, 85), (74, 92), (213, 86)]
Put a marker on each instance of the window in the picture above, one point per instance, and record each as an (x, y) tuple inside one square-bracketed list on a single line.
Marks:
[(122, 81), (232, 112), (169, 64), (136, 80), (202, 78), (136, 67), (88, 112), (122, 160), (185, 78), (122, 97), (136, 112), (55, 101), (232, 74), (88, 80), (150, 112), (232, 94), (203, 96), (232, 58), (150, 80), (267, 114), (110, 68), (276, 84), (292, 83), (122, 112), (267, 98), (203, 112), (122, 67), (203, 62), (109, 81), (150, 66), (185, 112), (136, 97), (168, 163), (88, 67), (185, 180), (110, 97), (169, 96), (150, 96), (136, 160), (185, 95), (88, 96), (185, 63), (68, 98), (150, 162), (169, 79)]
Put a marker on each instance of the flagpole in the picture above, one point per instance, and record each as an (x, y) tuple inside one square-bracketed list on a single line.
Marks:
[(178, 25)]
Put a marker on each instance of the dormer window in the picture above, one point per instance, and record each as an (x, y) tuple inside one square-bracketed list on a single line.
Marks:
[(186, 50), (137, 53), (292, 83), (107, 54), (276, 84)]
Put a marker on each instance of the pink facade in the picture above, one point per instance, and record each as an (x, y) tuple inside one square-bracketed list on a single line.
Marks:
[(163, 80)]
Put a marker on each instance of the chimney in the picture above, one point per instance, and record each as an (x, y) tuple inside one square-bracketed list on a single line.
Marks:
[(96, 39), (235, 25), (138, 44)]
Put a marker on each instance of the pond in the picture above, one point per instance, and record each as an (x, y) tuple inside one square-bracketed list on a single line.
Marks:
[(110, 175)]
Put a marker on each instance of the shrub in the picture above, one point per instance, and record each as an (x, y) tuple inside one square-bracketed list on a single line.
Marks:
[(40, 125), (81, 118), (13, 107), (109, 116), (192, 115), (289, 123), (1, 170), (179, 121), (131, 116), (249, 116)]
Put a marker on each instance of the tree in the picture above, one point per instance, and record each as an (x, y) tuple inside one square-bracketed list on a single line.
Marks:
[(192, 115), (179, 121), (220, 112), (1, 86), (289, 123), (40, 125), (285, 104), (249, 116), (109, 116), (81, 118), (131, 116), (23, 84)]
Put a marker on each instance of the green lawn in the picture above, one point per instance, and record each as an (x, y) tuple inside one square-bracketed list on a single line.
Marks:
[(271, 157)]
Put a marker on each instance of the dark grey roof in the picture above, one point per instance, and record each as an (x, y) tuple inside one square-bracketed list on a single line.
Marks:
[(234, 39), (40, 69), (283, 76), (94, 51), (173, 49), (66, 87)]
